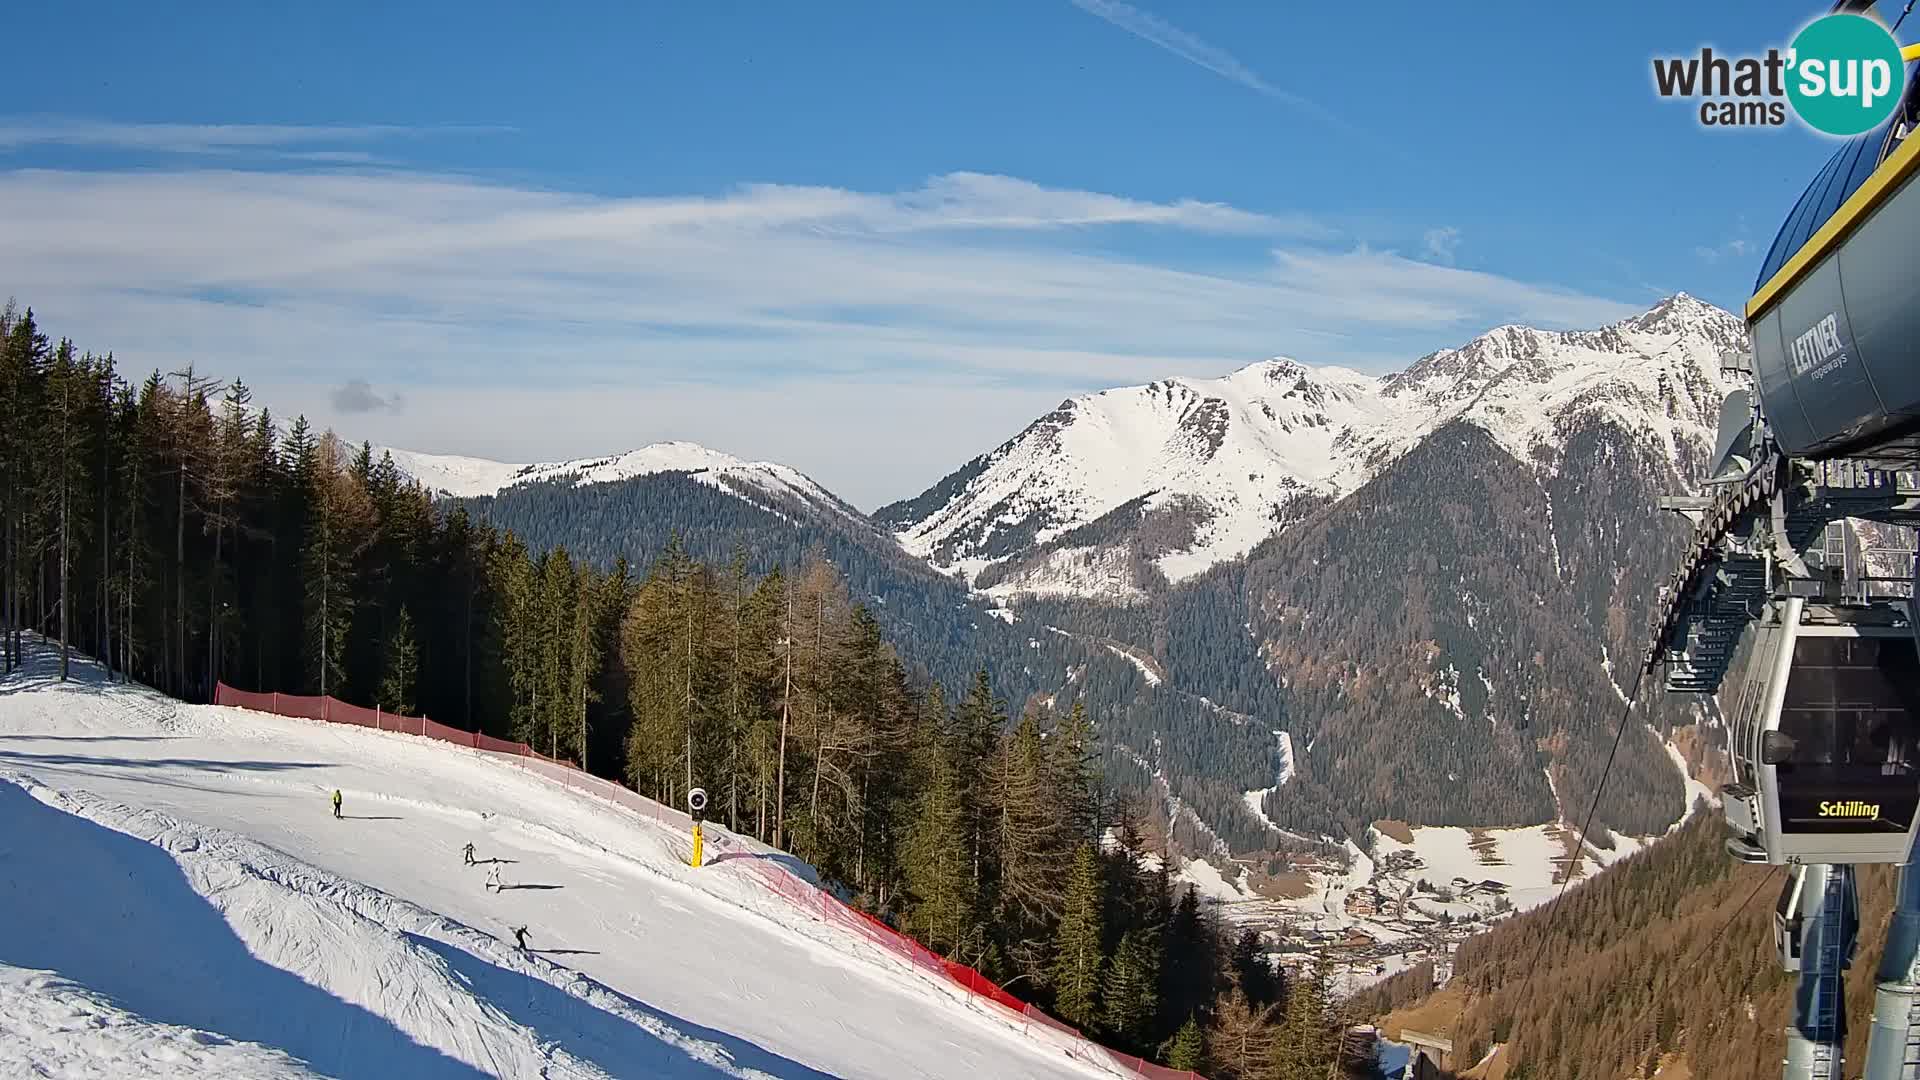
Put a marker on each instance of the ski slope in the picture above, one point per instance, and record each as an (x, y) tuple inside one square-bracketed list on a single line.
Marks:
[(175, 897)]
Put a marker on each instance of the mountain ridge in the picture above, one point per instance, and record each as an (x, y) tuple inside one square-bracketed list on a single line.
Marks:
[(1221, 462)]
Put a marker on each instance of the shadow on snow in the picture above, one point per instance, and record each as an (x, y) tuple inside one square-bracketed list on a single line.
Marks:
[(603, 1038), (117, 915)]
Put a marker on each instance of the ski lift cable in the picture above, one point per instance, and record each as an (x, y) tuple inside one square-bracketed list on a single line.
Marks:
[(1580, 849)]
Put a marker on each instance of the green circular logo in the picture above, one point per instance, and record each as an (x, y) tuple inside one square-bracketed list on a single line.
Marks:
[(1845, 74)]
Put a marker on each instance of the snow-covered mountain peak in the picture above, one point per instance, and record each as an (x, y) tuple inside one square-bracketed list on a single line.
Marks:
[(463, 477), (1218, 460)]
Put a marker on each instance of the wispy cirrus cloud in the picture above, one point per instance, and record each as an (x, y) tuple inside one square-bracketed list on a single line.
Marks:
[(1734, 248), (21, 134), (538, 324), (1189, 47)]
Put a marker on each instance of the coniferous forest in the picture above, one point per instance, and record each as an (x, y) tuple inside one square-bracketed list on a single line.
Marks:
[(178, 531)]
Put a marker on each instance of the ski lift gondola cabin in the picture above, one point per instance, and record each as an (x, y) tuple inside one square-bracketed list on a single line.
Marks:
[(1833, 317), (1825, 736)]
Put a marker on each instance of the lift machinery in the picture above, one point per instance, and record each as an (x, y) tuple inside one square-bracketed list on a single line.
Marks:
[(1777, 610)]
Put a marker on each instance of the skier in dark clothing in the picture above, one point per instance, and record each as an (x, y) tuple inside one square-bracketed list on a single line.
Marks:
[(520, 935), (469, 853), (336, 802)]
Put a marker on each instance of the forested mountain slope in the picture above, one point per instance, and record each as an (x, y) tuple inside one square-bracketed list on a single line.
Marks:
[(1666, 955), (1444, 651), (1205, 753)]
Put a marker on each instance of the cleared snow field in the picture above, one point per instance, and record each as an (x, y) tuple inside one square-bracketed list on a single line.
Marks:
[(175, 897)]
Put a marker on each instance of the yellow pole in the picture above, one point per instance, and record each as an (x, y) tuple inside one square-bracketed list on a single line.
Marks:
[(1911, 52), (698, 843)]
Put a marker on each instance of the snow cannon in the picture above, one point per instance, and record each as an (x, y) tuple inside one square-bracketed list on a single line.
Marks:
[(697, 806)]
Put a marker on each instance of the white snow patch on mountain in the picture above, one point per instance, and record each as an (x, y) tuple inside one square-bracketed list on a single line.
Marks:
[(1256, 800), (1146, 672), (464, 477), (1697, 792), (1096, 572)]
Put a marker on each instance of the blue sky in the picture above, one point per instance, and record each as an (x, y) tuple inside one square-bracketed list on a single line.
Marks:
[(804, 231)]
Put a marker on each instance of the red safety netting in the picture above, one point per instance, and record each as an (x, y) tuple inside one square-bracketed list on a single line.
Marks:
[(801, 893)]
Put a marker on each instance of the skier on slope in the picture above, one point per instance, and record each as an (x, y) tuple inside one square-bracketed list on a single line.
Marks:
[(336, 802), (469, 853), (520, 935), (493, 879)]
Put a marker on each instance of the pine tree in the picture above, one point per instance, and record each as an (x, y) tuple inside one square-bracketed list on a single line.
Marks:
[(1251, 972), (335, 538), (941, 904), (1127, 1002), (1077, 960), (978, 726), (403, 667), (1187, 971), (1075, 776), (1187, 1050), (1304, 1047)]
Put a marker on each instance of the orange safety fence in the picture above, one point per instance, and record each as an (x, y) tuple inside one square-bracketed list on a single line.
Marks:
[(803, 894)]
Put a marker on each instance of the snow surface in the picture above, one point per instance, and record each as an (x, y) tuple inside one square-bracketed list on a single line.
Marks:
[(1236, 447), (177, 886), (1146, 672), (1256, 800), (50, 1026), (465, 477)]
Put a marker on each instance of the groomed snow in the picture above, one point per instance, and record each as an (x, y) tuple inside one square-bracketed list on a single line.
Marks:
[(176, 869), (51, 1027)]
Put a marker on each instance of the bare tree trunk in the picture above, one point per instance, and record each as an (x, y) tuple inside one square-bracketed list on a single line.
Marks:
[(66, 444), (326, 583), (213, 601), (180, 578), (687, 601), (823, 713), (786, 712), (103, 620), (733, 720)]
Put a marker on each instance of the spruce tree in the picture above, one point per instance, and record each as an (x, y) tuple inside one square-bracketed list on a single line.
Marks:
[(1077, 960), (1187, 1050), (1128, 999), (1075, 775), (1251, 972), (939, 880), (403, 667)]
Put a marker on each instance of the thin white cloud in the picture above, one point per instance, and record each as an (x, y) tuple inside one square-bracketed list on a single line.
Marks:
[(964, 300), (209, 138), (1735, 248), (1442, 243), (1189, 47)]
